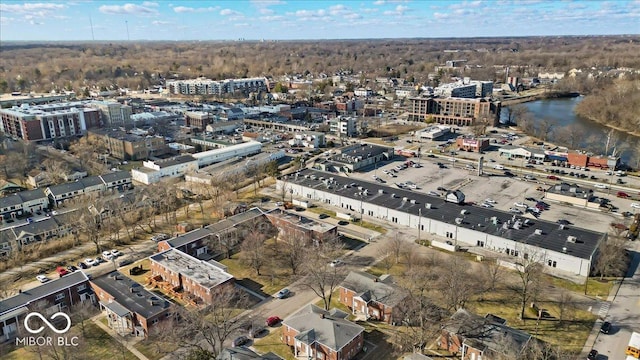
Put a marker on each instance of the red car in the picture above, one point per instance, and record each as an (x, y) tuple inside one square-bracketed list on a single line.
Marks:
[(622, 194), (553, 177), (273, 321), (61, 271)]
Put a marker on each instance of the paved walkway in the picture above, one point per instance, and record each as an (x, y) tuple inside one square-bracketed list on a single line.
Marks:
[(128, 342)]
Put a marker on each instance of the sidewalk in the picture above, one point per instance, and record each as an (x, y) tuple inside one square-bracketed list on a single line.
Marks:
[(127, 342)]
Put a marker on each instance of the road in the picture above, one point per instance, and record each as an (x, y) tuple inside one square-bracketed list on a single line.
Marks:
[(624, 313)]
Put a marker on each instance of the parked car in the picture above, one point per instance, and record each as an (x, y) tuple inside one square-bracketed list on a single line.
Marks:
[(273, 321), (593, 355), (42, 278), (487, 205), (90, 262), (605, 328), (72, 268), (553, 177), (62, 271), (635, 205), (284, 293), (600, 186), (323, 216), (240, 340), (336, 262), (106, 255), (116, 253), (83, 265), (519, 204), (622, 194), (343, 222), (489, 201)]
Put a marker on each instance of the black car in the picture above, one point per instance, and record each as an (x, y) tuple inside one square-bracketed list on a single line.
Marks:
[(343, 222), (240, 340), (530, 199), (323, 216), (82, 265), (605, 328), (72, 268), (593, 355)]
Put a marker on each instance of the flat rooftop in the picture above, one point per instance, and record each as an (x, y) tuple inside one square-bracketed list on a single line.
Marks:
[(477, 218), (131, 295), (302, 221), (201, 272), (572, 190), (358, 152)]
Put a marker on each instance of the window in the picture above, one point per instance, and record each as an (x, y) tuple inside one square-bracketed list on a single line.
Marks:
[(59, 296), (82, 287), (480, 243)]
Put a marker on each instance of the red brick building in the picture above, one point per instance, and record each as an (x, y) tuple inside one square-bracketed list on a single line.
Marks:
[(59, 295), (474, 337), (130, 309), (376, 298), (315, 333), (193, 280), (472, 144), (294, 227)]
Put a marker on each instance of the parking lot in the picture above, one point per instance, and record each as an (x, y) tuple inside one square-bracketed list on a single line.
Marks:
[(505, 191)]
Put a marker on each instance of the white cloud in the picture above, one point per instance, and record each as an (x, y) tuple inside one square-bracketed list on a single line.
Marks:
[(272, 18), (33, 22), (352, 16), (150, 4), (400, 9), (378, 2), (265, 11), (266, 3), (40, 10), (160, 22), (185, 9), (131, 9), (227, 12)]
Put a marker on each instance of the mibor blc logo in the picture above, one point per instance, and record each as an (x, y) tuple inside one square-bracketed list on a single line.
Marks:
[(50, 325), (47, 340)]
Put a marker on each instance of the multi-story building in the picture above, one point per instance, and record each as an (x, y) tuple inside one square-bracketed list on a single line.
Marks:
[(54, 296), (343, 126), (375, 297), (119, 180), (195, 281), (113, 113), (198, 119), (202, 86), (16, 237), (125, 146), (22, 202), (49, 121), (312, 139), (455, 111), (292, 227), (457, 89), (129, 307)]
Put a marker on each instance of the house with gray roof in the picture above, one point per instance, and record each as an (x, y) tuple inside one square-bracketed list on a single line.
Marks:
[(16, 237), (322, 334), (375, 297), (24, 201), (476, 337), (51, 297), (129, 307), (243, 353)]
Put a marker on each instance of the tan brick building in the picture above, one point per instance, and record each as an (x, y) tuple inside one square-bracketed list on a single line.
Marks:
[(126, 146)]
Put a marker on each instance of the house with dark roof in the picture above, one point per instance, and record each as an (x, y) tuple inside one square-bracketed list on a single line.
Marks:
[(316, 333), (130, 309), (27, 201), (51, 297), (476, 337), (569, 249), (93, 184), (243, 353), (120, 180), (295, 227), (375, 297), (16, 237)]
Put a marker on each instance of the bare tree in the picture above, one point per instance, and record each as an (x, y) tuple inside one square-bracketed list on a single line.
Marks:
[(545, 127), (529, 272), (492, 273), (456, 283), (322, 278), (395, 246), (386, 259), (515, 112), (571, 135), (612, 258), (293, 252), (253, 250)]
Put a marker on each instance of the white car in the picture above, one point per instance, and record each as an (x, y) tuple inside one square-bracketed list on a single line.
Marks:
[(42, 278), (600, 186), (487, 205), (433, 193), (489, 201), (115, 253), (519, 204), (452, 160), (499, 167), (106, 255), (335, 263), (90, 262), (635, 205)]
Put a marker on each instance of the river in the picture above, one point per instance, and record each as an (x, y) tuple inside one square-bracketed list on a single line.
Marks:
[(561, 112)]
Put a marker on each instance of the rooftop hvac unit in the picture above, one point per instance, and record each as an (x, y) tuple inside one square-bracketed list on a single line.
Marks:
[(464, 212), (428, 205), (572, 239), (393, 195), (405, 198), (380, 191), (561, 226), (538, 232), (413, 201), (564, 249), (458, 221)]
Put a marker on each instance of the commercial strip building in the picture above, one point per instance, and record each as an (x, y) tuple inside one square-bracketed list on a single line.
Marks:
[(434, 132), (564, 248), (355, 157), (203, 86), (231, 167)]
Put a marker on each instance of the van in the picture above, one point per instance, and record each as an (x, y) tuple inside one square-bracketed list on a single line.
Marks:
[(499, 167)]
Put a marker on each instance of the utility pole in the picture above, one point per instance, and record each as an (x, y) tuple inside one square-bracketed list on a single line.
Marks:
[(419, 224)]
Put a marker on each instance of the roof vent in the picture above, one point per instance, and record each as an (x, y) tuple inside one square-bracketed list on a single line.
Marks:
[(538, 232), (458, 221), (561, 226), (464, 212), (564, 249), (572, 239), (427, 205), (413, 201), (405, 198), (380, 191)]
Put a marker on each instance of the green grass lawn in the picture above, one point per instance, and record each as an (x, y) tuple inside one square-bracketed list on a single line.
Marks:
[(594, 287), (272, 343), (141, 278), (95, 344), (335, 303), (271, 280), (397, 269)]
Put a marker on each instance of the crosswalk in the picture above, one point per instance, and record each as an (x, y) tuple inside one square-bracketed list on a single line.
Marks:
[(604, 309)]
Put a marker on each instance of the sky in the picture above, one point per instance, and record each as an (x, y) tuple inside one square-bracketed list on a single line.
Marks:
[(72, 20)]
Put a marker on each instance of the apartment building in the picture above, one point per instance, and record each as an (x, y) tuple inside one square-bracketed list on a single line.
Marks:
[(198, 119), (293, 227), (126, 146), (118, 180), (203, 86), (113, 113), (48, 121), (454, 111), (22, 202), (343, 126)]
